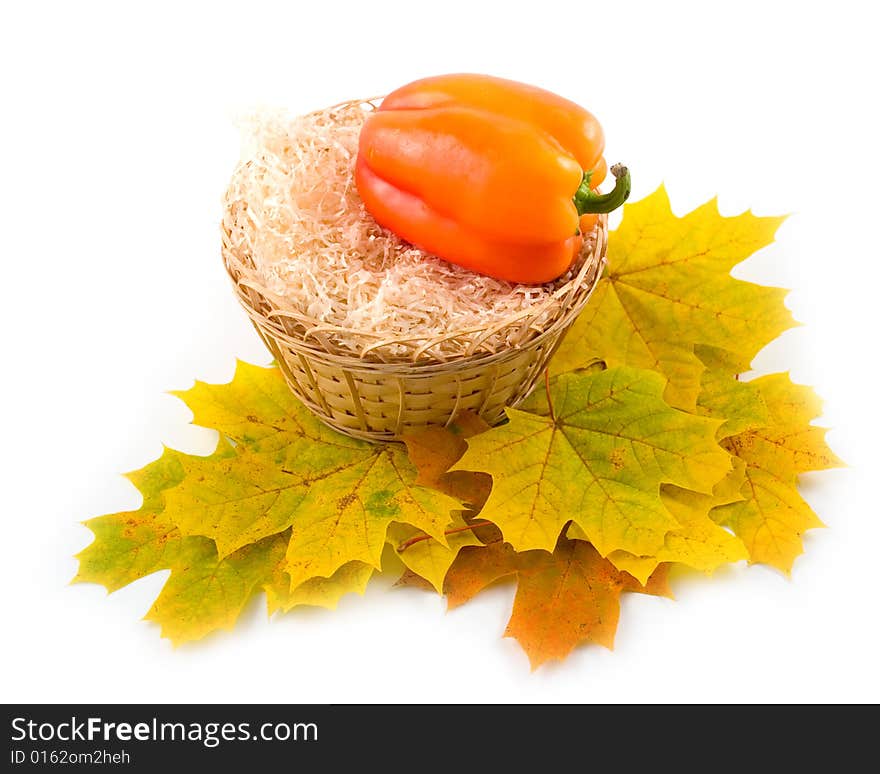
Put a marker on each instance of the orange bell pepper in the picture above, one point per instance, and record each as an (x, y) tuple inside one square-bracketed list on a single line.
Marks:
[(487, 173)]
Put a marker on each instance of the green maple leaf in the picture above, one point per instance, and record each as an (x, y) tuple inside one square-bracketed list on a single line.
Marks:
[(738, 404), (722, 395), (134, 544), (598, 459), (203, 592)]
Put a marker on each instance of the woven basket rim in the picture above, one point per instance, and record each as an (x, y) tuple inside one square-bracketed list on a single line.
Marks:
[(274, 314)]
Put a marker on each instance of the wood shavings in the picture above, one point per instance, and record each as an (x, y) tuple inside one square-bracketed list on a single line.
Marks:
[(315, 250)]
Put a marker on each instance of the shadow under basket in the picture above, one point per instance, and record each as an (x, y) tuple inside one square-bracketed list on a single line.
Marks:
[(377, 396)]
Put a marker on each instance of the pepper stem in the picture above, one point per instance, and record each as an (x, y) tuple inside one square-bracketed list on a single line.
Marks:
[(587, 200)]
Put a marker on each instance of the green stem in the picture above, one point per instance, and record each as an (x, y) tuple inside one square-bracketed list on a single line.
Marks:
[(587, 200)]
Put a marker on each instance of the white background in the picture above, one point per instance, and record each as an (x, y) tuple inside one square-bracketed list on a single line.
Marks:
[(117, 141)]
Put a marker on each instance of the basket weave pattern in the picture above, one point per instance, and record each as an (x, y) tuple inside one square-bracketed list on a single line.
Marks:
[(377, 396)]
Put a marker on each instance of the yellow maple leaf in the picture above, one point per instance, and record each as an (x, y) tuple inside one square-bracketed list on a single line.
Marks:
[(351, 578), (425, 556), (697, 542), (668, 288), (773, 516), (340, 494)]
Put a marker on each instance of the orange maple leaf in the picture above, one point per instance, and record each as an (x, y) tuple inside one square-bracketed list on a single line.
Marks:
[(562, 599)]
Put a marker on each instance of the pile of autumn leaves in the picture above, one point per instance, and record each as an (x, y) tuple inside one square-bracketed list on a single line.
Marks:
[(644, 450)]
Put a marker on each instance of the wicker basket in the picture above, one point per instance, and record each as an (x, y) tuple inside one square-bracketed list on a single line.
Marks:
[(377, 396)]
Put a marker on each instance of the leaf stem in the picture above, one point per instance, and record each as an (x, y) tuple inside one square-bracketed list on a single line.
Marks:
[(419, 538)]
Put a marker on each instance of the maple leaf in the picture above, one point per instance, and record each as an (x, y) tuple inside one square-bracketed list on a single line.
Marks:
[(739, 404), (698, 542), (773, 515), (427, 557), (477, 568), (339, 493), (203, 592), (598, 459), (351, 578), (569, 597), (434, 450), (668, 287), (563, 598), (134, 544)]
